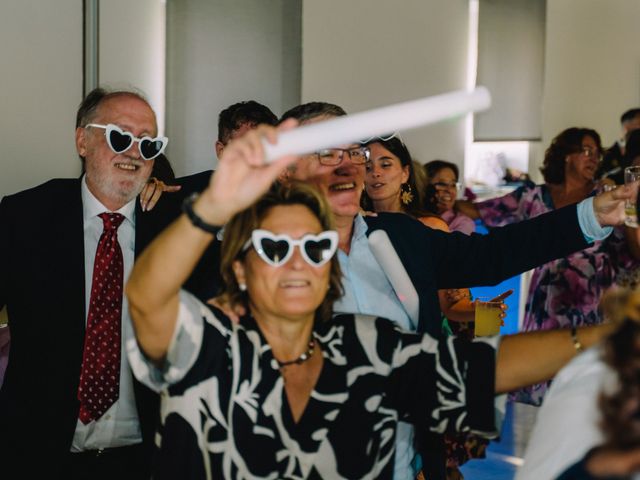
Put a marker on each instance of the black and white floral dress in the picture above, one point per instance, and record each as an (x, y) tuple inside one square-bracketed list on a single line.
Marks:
[(225, 412)]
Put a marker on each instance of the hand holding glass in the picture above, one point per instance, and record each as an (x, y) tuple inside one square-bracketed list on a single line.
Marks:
[(488, 317), (631, 174)]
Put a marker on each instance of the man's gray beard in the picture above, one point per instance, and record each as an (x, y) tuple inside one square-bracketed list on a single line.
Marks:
[(105, 187)]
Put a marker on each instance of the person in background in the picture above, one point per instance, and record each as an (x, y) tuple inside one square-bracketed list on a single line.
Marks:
[(587, 426), (565, 292), (233, 122), (290, 390), (614, 161), (391, 186), (66, 249), (443, 176)]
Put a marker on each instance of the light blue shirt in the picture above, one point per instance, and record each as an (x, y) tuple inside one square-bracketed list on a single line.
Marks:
[(589, 225), (368, 291)]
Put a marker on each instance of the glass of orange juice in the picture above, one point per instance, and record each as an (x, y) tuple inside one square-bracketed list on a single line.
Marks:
[(487, 317)]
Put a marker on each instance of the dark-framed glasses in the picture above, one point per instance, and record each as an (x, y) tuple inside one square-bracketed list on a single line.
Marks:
[(120, 141), (448, 185), (331, 157), (590, 152), (276, 250)]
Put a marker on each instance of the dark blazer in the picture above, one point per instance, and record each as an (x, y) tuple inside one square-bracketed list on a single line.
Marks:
[(205, 279), (434, 260), (42, 283), (613, 165)]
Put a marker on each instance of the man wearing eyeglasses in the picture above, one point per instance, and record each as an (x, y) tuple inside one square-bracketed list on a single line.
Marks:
[(393, 265), (69, 403)]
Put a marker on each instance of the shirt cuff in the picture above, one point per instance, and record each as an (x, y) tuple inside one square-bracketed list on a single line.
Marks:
[(589, 224)]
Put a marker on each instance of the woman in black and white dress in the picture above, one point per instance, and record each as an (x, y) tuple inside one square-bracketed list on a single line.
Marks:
[(289, 391)]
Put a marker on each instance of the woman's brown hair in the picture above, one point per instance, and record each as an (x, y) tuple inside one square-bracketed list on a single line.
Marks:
[(620, 408), (238, 231), (565, 143)]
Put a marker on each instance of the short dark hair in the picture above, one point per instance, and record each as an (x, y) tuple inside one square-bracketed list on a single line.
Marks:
[(434, 166), (629, 115), (242, 113), (88, 108), (632, 147), (565, 143), (307, 111)]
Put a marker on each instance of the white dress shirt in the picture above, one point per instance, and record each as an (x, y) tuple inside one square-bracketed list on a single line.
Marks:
[(119, 426)]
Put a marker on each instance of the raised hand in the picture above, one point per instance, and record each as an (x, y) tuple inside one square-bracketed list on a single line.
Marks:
[(242, 175), (608, 206)]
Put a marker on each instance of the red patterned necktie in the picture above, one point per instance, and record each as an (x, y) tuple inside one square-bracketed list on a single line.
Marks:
[(100, 376)]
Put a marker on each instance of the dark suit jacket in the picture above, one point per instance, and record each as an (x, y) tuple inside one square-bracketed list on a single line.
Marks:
[(205, 279), (42, 284), (434, 260), (613, 164)]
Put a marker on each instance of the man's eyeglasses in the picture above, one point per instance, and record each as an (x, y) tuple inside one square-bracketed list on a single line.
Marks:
[(276, 250), (449, 185), (331, 157), (590, 152), (120, 141)]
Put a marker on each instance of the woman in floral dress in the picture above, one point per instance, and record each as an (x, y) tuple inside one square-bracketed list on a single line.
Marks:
[(565, 292)]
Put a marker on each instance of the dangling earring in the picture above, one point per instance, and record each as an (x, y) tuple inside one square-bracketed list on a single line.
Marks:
[(242, 287), (406, 195)]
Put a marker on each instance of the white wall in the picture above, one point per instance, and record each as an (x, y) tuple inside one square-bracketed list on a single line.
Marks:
[(362, 54), (41, 83), (221, 52), (132, 48), (592, 68)]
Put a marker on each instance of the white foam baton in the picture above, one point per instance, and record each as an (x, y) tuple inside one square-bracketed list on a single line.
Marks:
[(380, 121)]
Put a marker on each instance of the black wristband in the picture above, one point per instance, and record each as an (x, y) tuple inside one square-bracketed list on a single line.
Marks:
[(196, 221)]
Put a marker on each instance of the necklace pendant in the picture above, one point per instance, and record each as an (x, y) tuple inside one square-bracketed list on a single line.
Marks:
[(301, 359)]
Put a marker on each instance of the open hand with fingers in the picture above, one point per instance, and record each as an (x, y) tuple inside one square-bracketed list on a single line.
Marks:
[(243, 174)]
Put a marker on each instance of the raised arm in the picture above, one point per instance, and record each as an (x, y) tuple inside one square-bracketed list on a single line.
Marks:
[(468, 208), (154, 285)]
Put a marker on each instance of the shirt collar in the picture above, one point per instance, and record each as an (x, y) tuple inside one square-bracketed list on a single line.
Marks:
[(92, 207), (359, 228)]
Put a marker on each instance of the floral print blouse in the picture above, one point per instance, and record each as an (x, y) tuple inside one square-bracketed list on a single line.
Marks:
[(562, 293), (225, 413)]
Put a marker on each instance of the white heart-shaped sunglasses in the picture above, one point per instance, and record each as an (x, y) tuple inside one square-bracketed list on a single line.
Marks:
[(276, 250), (120, 141)]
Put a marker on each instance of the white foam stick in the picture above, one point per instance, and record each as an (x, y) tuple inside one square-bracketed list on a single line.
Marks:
[(379, 121), (388, 258)]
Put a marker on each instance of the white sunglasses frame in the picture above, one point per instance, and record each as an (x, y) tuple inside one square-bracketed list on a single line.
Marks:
[(260, 234), (110, 127)]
